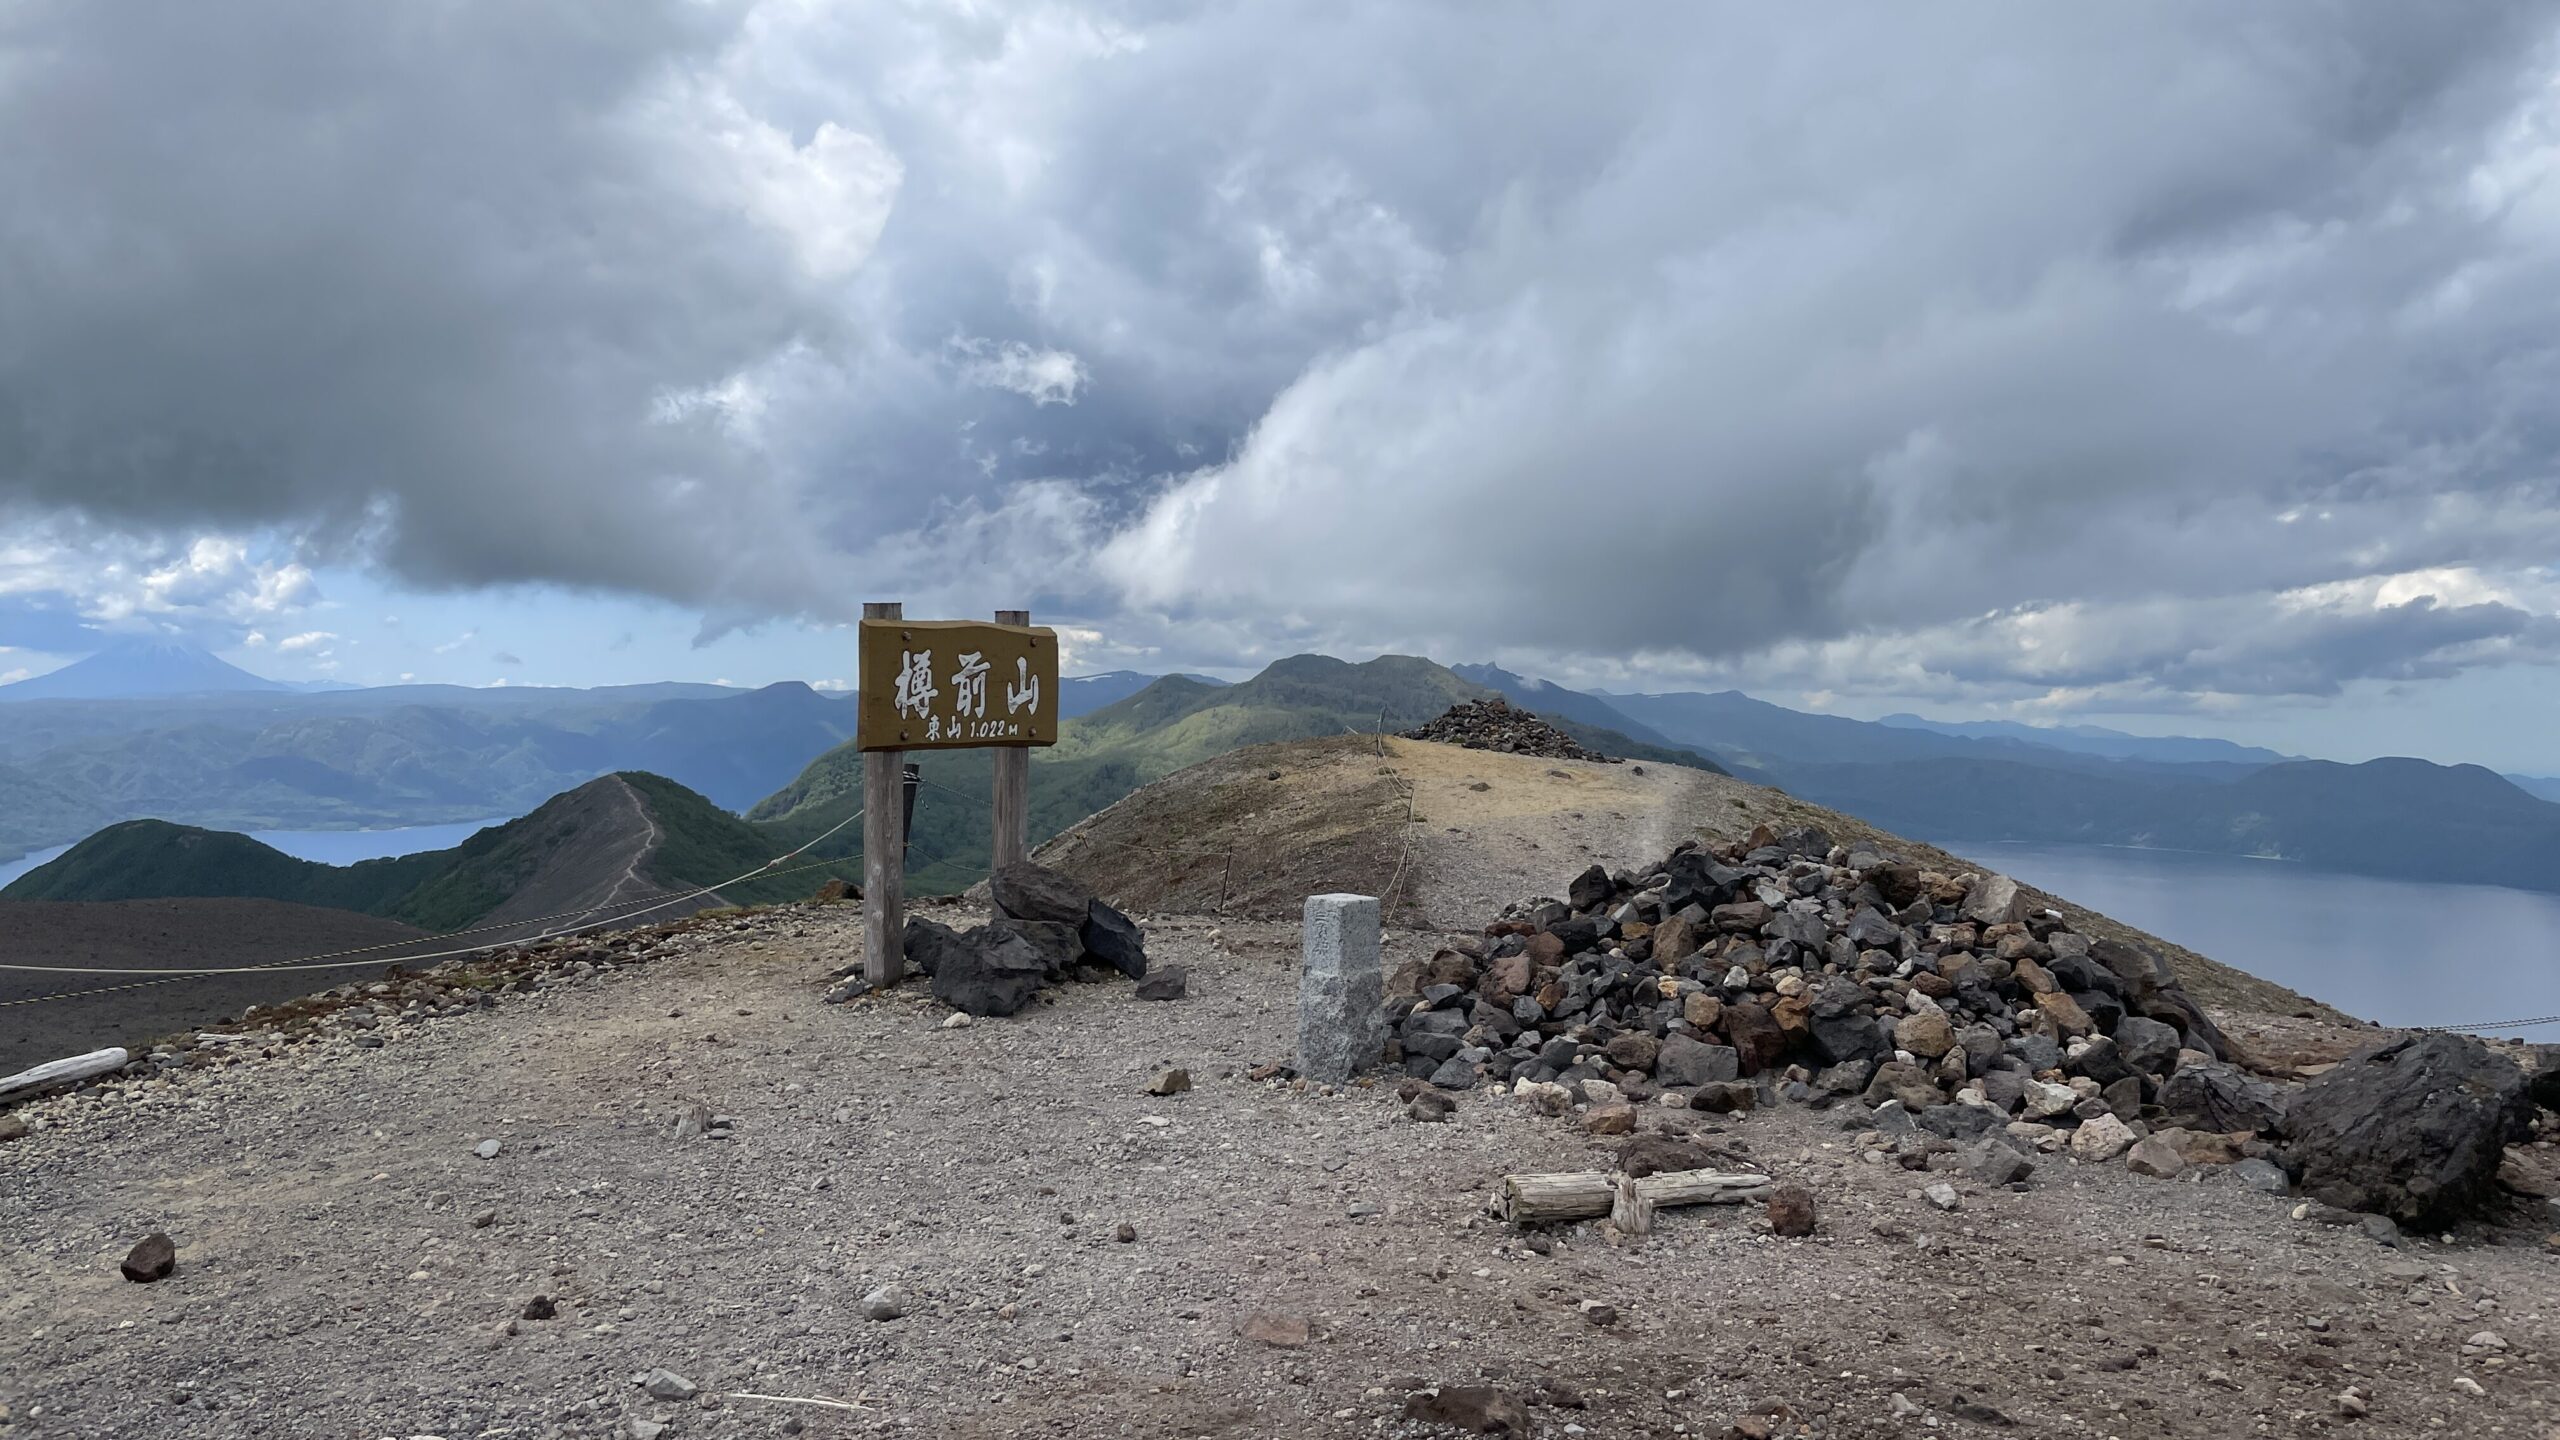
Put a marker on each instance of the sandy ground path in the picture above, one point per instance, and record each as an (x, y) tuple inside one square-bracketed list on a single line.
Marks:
[(333, 1282)]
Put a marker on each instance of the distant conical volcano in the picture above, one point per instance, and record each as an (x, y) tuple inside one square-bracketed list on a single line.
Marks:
[(140, 665)]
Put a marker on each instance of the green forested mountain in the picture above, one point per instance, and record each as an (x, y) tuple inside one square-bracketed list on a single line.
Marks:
[(1172, 724), (584, 848)]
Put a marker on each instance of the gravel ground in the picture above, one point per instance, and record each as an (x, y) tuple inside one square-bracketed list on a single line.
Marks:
[(334, 1278)]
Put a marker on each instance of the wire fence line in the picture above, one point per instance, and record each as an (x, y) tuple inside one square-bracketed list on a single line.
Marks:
[(2496, 1025), (589, 918)]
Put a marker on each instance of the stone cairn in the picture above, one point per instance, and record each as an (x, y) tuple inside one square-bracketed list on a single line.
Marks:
[(1954, 1025), (1497, 724), (1046, 928), (1788, 967)]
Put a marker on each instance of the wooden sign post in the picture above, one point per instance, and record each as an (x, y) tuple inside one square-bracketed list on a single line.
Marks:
[(943, 685)]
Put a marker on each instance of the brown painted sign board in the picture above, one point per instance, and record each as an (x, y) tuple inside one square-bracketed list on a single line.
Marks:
[(956, 685)]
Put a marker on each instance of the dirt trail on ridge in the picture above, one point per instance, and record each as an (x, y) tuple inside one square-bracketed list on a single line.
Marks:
[(1256, 831)]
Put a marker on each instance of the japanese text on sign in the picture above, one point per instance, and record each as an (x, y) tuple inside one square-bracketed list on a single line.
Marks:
[(955, 683)]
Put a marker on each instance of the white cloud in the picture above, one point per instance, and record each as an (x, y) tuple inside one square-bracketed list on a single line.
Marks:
[(1045, 377), (307, 640)]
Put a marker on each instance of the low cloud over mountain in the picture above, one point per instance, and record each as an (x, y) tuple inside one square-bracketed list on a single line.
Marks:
[(2149, 358)]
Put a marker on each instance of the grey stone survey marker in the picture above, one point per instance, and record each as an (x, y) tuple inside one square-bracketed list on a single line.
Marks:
[(1342, 1023)]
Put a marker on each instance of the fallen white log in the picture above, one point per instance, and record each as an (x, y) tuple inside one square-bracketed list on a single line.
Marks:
[(63, 1072), (1586, 1194)]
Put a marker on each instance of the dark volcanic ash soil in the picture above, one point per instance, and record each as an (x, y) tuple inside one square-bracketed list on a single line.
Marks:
[(164, 934)]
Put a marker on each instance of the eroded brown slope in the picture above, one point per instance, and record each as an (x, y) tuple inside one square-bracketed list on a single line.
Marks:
[(1254, 832)]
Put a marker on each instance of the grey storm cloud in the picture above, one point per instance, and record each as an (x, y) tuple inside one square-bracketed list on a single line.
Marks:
[(1918, 343)]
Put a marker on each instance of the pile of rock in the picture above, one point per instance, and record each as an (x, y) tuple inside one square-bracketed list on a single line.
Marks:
[(1497, 724), (1830, 974), (1956, 1024), (1046, 929)]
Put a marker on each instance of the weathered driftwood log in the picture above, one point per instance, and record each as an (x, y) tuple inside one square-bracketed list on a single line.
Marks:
[(63, 1072), (1584, 1194)]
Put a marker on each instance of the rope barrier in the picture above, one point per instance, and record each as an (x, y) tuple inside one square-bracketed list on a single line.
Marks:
[(2499, 1024), (593, 917)]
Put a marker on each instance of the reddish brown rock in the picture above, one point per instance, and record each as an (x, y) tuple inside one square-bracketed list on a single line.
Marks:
[(1674, 940), (1616, 1118), (2065, 1013), (1507, 979), (1702, 1010), (1755, 1036), (1791, 1211), (1633, 1050)]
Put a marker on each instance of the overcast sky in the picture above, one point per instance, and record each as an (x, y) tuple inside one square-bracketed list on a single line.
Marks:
[(2189, 366)]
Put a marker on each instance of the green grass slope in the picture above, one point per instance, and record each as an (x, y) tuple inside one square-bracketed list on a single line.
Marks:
[(439, 890), (155, 860), (1172, 724)]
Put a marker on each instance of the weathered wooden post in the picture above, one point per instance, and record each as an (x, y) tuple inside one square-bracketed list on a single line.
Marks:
[(884, 845), (1013, 786), (942, 685)]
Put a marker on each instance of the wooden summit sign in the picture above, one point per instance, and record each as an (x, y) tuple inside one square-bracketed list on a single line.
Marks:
[(956, 684), (943, 685)]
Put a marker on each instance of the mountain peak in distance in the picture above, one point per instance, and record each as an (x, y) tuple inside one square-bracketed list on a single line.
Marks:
[(141, 665)]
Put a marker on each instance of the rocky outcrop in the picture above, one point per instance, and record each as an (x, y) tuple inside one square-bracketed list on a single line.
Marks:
[(1046, 929), (2414, 1129), (987, 971), (1497, 724), (2215, 1097), (1787, 966)]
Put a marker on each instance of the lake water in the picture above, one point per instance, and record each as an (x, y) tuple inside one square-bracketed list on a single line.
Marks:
[(330, 847), (2396, 951)]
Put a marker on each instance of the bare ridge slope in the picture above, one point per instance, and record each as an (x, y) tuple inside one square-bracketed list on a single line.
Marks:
[(1253, 832)]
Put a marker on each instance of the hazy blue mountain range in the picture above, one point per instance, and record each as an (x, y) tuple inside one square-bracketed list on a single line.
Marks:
[(2098, 740), (2541, 787), (419, 754), (140, 666), (189, 738)]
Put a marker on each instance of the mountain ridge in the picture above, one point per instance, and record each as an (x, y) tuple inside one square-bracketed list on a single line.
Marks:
[(590, 851), (135, 667)]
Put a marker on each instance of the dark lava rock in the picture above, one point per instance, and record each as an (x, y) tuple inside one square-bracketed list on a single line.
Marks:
[(1494, 723), (156, 1258), (540, 1307), (2147, 1045), (2218, 1097), (1683, 1061), (991, 972), (1114, 939), (1662, 1155), (1479, 1408), (2413, 1130), (1960, 1122), (1725, 1097), (1025, 891), (928, 941), (2544, 1079), (1165, 984), (1061, 949), (1576, 935), (1589, 890)]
